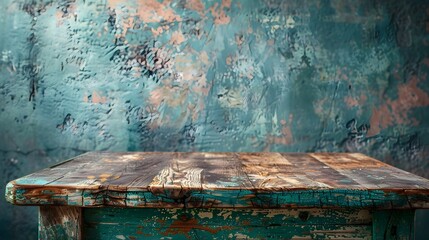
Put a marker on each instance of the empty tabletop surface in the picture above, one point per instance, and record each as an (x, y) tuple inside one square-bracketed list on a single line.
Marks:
[(222, 180)]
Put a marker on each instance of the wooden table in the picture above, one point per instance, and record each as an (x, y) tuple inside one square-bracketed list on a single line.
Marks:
[(139, 195)]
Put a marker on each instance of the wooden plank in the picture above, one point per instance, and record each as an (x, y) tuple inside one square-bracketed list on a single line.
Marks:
[(320, 172), (56, 171), (60, 222), (192, 178), (370, 173), (121, 190), (146, 167), (97, 169), (224, 171), (181, 176), (225, 183), (120, 223), (348, 160), (272, 171)]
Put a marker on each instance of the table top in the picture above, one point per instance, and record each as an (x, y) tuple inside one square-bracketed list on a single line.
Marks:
[(222, 180)]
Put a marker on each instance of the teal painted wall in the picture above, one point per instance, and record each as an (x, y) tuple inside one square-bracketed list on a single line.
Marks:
[(207, 75)]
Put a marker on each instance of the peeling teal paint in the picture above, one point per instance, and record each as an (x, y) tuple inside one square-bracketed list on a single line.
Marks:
[(239, 198), (78, 76), (117, 223)]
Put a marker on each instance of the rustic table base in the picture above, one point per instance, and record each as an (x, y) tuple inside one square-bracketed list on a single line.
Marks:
[(140, 195), (65, 222)]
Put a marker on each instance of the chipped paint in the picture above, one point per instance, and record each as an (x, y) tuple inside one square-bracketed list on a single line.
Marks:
[(330, 224), (205, 215)]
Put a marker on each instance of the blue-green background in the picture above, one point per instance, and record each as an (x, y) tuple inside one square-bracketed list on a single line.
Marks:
[(205, 75)]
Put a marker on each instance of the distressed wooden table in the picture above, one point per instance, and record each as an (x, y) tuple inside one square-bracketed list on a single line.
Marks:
[(139, 195)]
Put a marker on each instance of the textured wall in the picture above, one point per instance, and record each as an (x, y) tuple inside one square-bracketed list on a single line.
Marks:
[(207, 75)]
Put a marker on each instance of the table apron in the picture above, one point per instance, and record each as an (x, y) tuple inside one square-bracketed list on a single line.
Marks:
[(66, 222)]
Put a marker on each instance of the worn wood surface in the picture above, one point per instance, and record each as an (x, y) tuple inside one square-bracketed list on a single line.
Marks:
[(134, 223), (60, 222), (237, 180)]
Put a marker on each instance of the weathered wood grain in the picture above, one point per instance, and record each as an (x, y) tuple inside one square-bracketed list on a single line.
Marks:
[(370, 173), (60, 222), (231, 180)]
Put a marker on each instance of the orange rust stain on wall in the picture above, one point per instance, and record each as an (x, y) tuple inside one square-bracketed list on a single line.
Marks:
[(381, 118), (150, 10), (319, 106), (157, 31), (96, 98), (351, 102), (115, 3), (355, 102), (154, 11), (59, 18), (157, 96), (226, 3), (219, 14), (286, 137), (171, 96), (410, 95), (396, 111), (177, 38), (195, 5), (204, 57)]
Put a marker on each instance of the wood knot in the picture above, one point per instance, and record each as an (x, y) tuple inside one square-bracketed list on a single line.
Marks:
[(304, 216)]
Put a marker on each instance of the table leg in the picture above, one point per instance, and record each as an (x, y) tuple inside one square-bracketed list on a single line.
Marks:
[(393, 224), (60, 222)]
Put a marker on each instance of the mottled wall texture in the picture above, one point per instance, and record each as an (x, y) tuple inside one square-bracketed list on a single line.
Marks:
[(208, 75)]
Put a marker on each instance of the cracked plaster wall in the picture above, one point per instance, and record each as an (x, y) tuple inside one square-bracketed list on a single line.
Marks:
[(207, 75)]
